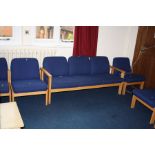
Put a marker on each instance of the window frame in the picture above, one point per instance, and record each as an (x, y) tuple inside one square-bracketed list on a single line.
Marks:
[(67, 41)]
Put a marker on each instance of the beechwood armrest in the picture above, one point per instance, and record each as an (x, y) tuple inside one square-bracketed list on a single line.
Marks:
[(44, 71), (117, 69), (9, 83)]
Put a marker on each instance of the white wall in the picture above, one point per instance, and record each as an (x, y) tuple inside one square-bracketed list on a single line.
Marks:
[(113, 41), (59, 50), (116, 41)]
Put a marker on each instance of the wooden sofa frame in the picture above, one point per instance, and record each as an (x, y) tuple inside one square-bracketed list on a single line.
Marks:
[(9, 83), (125, 84), (44, 71), (133, 103), (13, 94)]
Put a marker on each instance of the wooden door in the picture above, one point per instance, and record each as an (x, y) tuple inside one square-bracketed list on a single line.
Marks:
[(144, 56)]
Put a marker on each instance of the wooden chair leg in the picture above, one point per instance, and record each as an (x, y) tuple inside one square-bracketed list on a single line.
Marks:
[(10, 97), (153, 117), (124, 88), (142, 85), (13, 98), (120, 89), (133, 102), (46, 98)]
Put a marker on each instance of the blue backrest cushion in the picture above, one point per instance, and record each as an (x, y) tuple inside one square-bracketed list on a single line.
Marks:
[(57, 66), (122, 63), (24, 69), (99, 65), (3, 69), (79, 65)]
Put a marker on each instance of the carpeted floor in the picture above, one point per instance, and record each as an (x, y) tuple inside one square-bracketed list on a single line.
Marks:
[(86, 109)]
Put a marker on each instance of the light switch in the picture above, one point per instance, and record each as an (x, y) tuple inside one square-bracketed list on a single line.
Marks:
[(27, 32)]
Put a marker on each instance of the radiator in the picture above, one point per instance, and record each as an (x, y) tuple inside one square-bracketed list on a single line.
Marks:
[(26, 52)]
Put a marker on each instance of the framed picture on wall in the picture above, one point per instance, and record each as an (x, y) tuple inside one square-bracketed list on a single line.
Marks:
[(6, 32), (44, 32)]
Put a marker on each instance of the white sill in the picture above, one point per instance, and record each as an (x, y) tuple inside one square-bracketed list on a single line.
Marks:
[(52, 43), (10, 42), (65, 44), (5, 38)]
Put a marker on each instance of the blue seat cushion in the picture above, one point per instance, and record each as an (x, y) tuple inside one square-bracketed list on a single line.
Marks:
[(79, 81), (24, 69), (57, 66), (74, 81), (133, 78), (79, 65), (22, 86), (99, 65), (3, 69), (110, 79), (4, 87), (146, 95)]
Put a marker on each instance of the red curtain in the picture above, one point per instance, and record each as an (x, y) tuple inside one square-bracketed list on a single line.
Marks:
[(85, 40)]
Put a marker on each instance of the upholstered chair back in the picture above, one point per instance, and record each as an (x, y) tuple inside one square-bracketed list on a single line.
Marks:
[(24, 69), (79, 65), (57, 66), (99, 65), (3, 69), (122, 63)]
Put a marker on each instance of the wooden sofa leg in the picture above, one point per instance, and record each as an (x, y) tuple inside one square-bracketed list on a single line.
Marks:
[(133, 102), (46, 98), (49, 97), (124, 88), (153, 117), (120, 89), (142, 85)]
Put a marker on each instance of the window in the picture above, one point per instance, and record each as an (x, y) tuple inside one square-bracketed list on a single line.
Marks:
[(44, 32), (66, 33), (5, 32)]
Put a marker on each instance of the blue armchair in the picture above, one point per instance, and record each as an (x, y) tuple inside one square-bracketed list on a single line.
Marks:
[(123, 64), (147, 98), (26, 78), (4, 79)]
